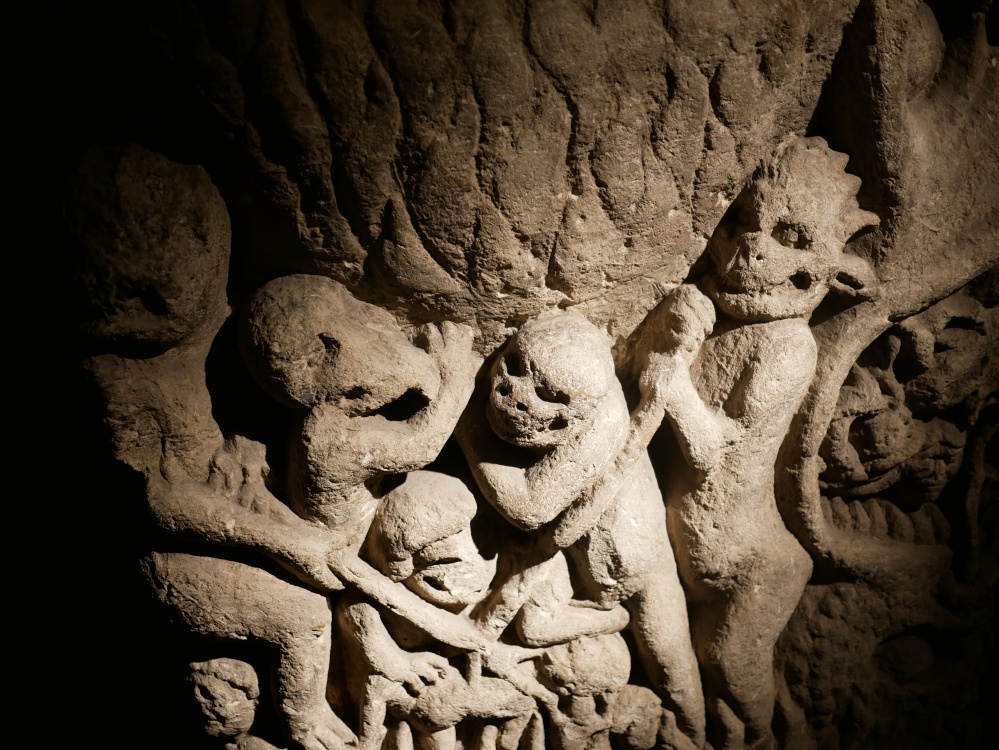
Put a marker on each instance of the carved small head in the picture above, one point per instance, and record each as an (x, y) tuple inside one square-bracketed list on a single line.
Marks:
[(594, 666), (779, 248), (549, 381), (947, 359), (422, 536), (307, 341), (228, 693)]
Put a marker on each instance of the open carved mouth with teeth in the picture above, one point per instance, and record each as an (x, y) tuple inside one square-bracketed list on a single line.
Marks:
[(898, 440)]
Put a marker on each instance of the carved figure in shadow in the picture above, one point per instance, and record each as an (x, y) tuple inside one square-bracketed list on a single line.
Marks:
[(558, 454), (374, 403), (729, 398), (421, 537)]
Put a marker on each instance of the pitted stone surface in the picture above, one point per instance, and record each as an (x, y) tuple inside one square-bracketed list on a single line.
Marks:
[(549, 374)]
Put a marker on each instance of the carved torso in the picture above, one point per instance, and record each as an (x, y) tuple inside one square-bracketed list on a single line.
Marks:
[(754, 376)]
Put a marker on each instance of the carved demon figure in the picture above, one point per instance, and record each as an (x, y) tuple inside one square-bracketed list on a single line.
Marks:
[(730, 398)]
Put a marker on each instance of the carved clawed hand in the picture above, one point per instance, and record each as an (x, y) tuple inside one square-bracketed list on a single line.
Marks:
[(450, 346), (420, 670)]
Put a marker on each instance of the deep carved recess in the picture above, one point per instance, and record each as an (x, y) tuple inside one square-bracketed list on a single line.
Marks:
[(546, 375)]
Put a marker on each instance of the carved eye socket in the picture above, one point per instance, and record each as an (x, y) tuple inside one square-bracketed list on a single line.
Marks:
[(792, 235), (551, 395), (514, 366)]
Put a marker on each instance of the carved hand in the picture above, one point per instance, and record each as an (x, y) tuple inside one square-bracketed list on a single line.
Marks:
[(419, 670), (450, 347), (689, 316), (684, 318)]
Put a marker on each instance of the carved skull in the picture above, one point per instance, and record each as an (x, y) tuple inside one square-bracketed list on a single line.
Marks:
[(778, 249), (422, 536), (549, 381)]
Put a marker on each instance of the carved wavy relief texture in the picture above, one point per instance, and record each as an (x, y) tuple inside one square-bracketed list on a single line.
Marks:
[(489, 160), (519, 375)]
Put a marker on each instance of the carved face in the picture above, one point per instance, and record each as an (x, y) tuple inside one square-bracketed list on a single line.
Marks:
[(776, 257), (308, 341), (779, 247), (374, 365), (548, 383), (451, 572)]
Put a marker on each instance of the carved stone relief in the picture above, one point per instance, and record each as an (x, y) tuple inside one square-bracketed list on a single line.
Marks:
[(550, 375)]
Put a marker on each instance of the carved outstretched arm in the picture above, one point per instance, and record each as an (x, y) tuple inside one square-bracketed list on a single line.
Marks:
[(312, 552), (443, 625), (257, 521)]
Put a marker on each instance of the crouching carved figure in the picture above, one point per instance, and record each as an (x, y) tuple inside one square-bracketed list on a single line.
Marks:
[(373, 402), (421, 537), (729, 398), (559, 454)]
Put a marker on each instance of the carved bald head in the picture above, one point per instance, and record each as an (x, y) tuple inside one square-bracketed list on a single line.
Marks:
[(549, 382), (307, 340), (422, 536), (779, 248)]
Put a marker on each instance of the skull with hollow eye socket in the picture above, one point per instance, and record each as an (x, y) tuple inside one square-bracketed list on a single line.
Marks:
[(548, 383), (779, 248)]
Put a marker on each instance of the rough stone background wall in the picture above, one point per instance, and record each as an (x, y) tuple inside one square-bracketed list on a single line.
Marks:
[(484, 162)]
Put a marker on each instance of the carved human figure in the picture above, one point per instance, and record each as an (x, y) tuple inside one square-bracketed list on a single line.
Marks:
[(229, 600), (293, 340), (729, 400), (373, 402), (421, 537), (556, 428)]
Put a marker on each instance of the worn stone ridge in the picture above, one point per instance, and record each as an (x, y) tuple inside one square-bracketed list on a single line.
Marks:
[(551, 374)]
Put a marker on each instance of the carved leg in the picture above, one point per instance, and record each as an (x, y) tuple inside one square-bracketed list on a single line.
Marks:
[(441, 740), (662, 631), (511, 732), (379, 693), (735, 641), (231, 600)]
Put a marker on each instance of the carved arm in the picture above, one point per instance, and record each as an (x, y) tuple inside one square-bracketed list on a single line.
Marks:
[(551, 616), (531, 496), (267, 525)]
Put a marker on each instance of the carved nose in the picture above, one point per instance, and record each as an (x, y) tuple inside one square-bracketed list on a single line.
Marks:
[(752, 249)]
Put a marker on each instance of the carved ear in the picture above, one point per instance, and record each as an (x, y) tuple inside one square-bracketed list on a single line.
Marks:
[(855, 277)]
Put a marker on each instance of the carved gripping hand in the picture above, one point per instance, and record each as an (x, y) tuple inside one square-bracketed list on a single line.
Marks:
[(450, 347), (677, 330), (682, 321)]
